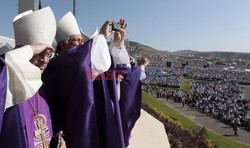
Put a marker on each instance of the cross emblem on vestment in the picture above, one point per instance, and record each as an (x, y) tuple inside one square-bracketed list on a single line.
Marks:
[(42, 130)]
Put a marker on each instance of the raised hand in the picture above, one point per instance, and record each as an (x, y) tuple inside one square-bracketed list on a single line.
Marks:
[(40, 47), (119, 36), (105, 28)]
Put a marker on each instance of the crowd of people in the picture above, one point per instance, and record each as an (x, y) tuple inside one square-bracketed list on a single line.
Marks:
[(222, 100), (219, 93), (158, 77), (165, 81), (241, 77), (172, 77)]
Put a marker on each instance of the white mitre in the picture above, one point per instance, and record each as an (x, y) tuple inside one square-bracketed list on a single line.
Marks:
[(24, 78), (35, 27), (66, 27), (100, 56), (88, 37)]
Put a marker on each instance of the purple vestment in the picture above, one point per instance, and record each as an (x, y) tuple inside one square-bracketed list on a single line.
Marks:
[(3, 88), (82, 107), (130, 99), (71, 97), (17, 122)]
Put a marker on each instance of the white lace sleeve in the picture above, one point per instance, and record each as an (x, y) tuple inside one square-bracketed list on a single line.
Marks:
[(23, 78), (119, 54)]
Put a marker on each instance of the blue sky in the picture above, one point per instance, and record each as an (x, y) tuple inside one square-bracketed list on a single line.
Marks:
[(203, 25)]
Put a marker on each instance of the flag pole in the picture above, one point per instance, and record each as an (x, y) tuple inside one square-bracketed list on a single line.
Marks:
[(75, 8), (39, 5)]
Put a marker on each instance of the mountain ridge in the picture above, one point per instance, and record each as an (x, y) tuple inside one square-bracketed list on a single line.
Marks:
[(148, 50)]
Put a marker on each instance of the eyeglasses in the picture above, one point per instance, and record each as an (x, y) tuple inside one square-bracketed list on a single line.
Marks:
[(47, 53), (74, 39)]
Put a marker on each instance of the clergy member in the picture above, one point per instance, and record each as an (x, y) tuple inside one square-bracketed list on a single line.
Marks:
[(88, 114), (129, 89), (25, 116), (93, 106)]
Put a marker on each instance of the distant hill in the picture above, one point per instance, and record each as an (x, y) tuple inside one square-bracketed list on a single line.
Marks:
[(147, 50), (186, 52), (215, 54)]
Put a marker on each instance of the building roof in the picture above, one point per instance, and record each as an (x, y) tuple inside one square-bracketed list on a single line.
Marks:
[(5, 40)]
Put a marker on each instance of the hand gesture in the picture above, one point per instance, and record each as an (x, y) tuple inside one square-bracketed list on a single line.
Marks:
[(143, 61), (105, 28), (40, 47), (119, 36), (61, 142)]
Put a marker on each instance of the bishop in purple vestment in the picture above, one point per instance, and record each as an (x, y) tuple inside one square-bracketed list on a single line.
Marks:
[(25, 120), (87, 109)]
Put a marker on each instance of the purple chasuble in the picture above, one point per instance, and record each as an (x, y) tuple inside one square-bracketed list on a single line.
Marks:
[(130, 99), (19, 126), (44, 118), (3, 88), (71, 97), (17, 122), (81, 107), (108, 111)]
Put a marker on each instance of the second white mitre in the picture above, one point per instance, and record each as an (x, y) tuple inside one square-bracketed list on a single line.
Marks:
[(100, 55)]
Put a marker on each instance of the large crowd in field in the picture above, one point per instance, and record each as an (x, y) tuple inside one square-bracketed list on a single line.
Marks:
[(218, 93)]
